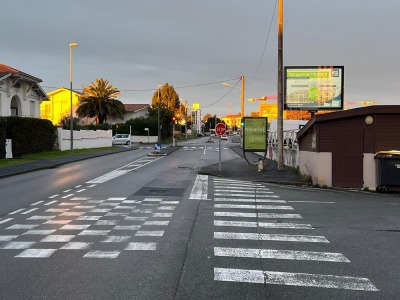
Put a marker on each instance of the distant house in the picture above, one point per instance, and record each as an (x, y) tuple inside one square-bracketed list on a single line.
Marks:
[(20, 93), (133, 111), (232, 120), (59, 105)]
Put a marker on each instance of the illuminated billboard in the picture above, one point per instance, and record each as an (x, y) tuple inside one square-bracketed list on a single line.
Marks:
[(255, 134), (314, 88)]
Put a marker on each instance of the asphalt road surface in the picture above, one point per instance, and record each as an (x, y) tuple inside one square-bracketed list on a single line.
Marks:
[(132, 226)]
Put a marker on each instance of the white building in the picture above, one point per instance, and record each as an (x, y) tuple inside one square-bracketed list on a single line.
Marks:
[(20, 93)]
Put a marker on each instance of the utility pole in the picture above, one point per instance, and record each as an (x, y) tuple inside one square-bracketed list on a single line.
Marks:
[(242, 99), (280, 85)]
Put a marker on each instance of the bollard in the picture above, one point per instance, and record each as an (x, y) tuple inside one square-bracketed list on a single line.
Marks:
[(260, 165)]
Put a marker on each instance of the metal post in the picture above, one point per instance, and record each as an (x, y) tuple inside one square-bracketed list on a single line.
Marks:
[(158, 117), (185, 119), (219, 146), (280, 85), (242, 98)]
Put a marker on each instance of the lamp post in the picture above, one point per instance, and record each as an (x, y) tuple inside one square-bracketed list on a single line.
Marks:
[(241, 95), (158, 117), (70, 81)]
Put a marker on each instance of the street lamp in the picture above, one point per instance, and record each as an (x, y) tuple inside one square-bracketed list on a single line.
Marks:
[(159, 129), (241, 96), (70, 81)]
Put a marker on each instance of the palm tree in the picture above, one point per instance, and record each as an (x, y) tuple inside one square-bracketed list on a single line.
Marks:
[(98, 101)]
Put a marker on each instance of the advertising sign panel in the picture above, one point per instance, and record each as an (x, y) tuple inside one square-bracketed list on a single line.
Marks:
[(255, 134), (314, 87)]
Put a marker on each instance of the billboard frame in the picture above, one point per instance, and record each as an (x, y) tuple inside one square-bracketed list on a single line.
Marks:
[(247, 133), (313, 106)]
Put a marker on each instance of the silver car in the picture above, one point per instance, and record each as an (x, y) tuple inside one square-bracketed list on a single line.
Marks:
[(121, 139)]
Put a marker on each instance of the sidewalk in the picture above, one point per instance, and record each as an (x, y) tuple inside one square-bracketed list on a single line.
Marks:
[(239, 169)]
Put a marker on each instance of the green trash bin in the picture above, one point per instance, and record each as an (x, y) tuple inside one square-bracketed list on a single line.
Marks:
[(387, 170)]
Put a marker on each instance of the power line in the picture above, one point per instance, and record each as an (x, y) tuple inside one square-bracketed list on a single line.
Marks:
[(265, 45), (223, 95), (152, 89)]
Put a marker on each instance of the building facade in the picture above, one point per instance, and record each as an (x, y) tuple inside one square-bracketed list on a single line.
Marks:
[(59, 105), (20, 93)]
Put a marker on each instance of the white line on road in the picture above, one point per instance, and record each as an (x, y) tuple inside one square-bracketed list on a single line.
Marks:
[(51, 197), (262, 225), (6, 220), (257, 215), (200, 188), (294, 279), (280, 254), (243, 194), (253, 206), (270, 237), (319, 202), (36, 203), (16, 211), (251, 200), (29, 211)]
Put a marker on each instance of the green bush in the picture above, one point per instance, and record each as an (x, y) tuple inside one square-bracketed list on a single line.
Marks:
[(30, 135)]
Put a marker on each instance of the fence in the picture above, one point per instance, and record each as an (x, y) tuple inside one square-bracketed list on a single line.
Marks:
[(290, 147)]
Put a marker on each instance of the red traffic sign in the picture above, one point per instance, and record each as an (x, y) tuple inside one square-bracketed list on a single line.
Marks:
[(220, 129)]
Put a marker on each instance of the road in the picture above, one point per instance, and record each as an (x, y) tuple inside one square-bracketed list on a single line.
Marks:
[(132, 226)]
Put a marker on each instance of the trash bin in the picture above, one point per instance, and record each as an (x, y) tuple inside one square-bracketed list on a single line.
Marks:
[(387, 170)]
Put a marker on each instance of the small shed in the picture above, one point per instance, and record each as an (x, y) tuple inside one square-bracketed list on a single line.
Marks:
[(337, 149)]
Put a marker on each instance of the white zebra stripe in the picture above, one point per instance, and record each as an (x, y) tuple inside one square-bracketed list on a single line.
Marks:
[(253, 206), (257, 215), (280, 254), (248, 200), (270, 237), (262, 225), (294, 279)]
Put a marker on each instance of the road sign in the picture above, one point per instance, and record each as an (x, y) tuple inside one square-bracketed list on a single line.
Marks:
[(220, 129)]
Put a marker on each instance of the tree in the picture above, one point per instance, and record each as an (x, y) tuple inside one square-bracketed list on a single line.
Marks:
[(206, 117), (98, 101), (168, 97)]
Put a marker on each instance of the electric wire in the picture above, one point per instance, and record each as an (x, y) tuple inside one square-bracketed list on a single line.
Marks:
[(265, 45)]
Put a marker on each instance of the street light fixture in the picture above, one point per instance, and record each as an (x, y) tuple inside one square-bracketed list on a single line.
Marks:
[(70, 81), (241, 96)]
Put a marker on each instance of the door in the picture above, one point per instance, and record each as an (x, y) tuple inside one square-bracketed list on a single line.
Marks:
[(347, 160)]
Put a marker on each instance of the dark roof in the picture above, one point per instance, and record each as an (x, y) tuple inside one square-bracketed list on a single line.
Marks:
[(355, 112), (135, 107)]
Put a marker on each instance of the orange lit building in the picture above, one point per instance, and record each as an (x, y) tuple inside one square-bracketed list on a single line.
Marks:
[(233, 120), (59, 105)]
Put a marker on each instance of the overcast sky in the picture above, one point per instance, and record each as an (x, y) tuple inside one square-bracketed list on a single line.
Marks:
[(194, 45)]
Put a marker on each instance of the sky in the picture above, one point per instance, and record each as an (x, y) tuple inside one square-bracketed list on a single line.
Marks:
[(196, 45)]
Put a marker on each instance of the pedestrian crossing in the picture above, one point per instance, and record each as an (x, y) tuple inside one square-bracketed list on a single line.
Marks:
[(247, 212), (103, 228)]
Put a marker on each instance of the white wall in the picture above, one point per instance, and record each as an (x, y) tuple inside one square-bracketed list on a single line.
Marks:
[(369, 171), (84, 139), (144, 139), (318, 165)]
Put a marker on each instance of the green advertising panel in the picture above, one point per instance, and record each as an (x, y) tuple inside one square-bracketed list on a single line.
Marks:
[(255, 134)]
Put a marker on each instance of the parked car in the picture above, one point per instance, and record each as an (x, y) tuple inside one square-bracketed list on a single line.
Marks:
[(224, 137), (121, 139)]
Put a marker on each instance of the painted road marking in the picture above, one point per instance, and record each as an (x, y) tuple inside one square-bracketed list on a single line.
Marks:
[(257, 215), (200, 188), (280, 254), (270, 237), (252, 206), (262, 225), (252, 200), (294, 279)]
